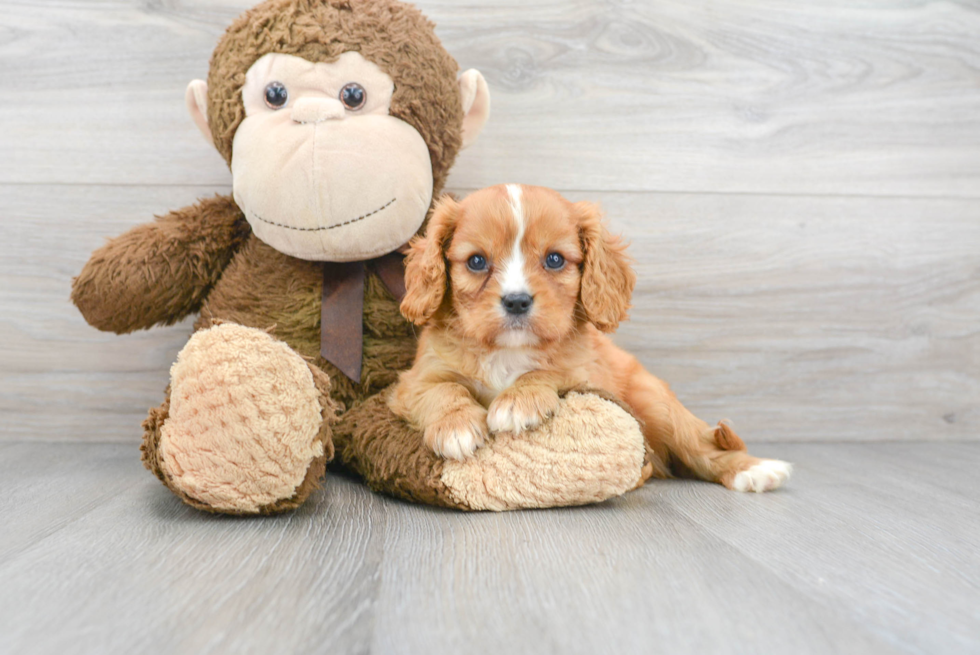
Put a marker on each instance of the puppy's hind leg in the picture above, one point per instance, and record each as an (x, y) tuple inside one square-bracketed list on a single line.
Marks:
[(689, 444)]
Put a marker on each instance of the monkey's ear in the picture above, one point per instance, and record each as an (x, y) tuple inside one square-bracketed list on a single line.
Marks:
[(425, 264), (475, 94), (196, 98)]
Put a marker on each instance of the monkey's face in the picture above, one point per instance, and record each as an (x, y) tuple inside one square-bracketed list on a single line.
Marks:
[(320, 168)]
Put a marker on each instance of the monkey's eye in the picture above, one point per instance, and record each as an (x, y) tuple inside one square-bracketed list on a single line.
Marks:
[(353, 96), (276, 95), (477, 263), (554, 261)]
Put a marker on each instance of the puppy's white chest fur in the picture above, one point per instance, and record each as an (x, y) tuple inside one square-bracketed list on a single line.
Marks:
[(501, 368)]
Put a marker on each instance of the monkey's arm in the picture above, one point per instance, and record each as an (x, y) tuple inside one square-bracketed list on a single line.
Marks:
[(162, 271)]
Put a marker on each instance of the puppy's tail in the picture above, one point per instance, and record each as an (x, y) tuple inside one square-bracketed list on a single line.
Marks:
[(726, 438)]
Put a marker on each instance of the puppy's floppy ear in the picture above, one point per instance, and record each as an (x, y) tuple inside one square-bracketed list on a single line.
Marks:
[(607, 276), (425, 264)]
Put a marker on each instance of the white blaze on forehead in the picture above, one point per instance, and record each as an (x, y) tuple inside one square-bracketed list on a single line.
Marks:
[(513, 279)]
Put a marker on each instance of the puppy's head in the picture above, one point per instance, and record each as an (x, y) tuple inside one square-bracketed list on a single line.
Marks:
[(516, 265)]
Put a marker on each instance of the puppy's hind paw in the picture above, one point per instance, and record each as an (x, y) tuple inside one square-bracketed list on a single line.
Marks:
[(766, 475), (458, 435)]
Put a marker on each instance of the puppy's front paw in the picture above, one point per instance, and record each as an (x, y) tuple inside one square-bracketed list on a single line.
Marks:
[(767, 475), (458, 434), (517, 410)]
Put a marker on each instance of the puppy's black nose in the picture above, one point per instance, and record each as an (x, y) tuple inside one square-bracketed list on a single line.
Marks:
[(517, 303)]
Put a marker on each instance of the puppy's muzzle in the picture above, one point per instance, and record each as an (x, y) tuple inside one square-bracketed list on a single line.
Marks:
[(517, 304)]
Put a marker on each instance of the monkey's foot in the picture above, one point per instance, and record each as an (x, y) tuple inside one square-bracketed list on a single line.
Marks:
[(246, 426), (591, 450)]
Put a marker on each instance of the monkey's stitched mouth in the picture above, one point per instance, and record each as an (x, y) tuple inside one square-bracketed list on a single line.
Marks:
[(329, 227)]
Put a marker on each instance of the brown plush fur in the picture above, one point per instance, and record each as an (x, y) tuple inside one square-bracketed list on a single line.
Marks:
[(160, 272), (205, 258), (266, 289), (395, 36), (384, 450)]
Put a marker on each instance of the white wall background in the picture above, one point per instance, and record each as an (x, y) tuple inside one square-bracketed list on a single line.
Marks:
[(800, 181)]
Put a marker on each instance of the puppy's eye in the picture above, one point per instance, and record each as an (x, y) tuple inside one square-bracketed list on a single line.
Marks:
[(554, 261), (276, 95), (477, 263), (353, 96)]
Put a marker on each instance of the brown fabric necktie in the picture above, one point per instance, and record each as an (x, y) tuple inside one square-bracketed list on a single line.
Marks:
[(342, 308)]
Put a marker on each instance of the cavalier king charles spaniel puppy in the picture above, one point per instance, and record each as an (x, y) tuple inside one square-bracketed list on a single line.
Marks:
[(516, 288)]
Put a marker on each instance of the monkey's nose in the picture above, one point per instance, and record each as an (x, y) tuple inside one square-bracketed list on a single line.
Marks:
[(317, 110), (517, 303)]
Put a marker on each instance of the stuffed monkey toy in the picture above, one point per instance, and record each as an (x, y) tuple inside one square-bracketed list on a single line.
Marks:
[(340, 120)]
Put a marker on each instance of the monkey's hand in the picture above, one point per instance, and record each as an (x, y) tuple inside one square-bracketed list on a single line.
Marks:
[(160, 272)]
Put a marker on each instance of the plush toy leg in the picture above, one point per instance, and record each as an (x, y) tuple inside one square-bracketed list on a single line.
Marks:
[(591, 450), (245, 428)]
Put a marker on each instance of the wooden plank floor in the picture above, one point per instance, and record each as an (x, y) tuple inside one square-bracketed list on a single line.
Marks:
[(872, 548)]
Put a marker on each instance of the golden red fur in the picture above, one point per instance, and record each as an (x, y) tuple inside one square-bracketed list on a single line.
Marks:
[(507, 330)]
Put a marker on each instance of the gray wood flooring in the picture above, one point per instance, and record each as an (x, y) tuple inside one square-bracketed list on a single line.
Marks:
[(872, 548)]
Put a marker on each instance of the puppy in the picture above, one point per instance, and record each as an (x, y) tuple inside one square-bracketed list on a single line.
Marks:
[(515, 288)]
